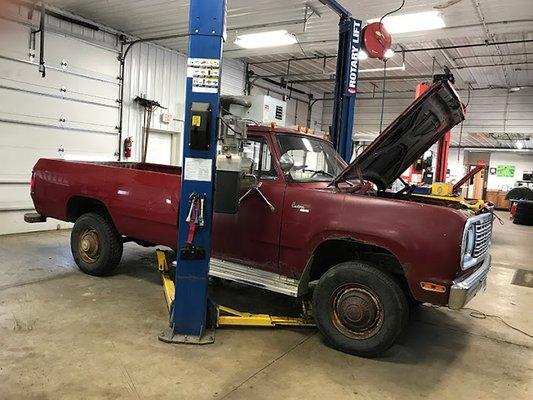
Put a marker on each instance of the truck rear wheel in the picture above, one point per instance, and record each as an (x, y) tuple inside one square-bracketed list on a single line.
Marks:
[(359, 309), (95, 244)]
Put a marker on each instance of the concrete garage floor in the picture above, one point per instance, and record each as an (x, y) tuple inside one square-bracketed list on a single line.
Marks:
[(66, 335)]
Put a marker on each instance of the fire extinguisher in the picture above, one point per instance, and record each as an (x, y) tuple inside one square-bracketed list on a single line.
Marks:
[(128, 143)]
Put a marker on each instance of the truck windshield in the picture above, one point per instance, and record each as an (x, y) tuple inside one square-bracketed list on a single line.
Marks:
[(314, 160)]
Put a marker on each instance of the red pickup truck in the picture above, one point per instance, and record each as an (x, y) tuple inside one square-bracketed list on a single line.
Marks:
[(317, 226)]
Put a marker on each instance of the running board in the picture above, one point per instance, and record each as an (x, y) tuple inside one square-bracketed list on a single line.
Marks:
[(253, 277)]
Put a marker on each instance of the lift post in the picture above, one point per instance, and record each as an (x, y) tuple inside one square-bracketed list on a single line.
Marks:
[(345, 80), (443, 145), (188, 322), (346, 86)]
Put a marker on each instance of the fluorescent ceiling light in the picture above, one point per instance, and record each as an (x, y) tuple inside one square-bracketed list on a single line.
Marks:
[(399, 68), (389, 53), (265, 39), (498, 150), (362, 55), (422, 21)]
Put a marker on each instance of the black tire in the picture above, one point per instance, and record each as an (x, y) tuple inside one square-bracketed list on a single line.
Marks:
[(359, 309), (520, 193), (95, 244), (523, 221), (523, 215), (523, 211)]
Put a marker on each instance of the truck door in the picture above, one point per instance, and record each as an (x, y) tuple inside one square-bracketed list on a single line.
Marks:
[(251, 236)]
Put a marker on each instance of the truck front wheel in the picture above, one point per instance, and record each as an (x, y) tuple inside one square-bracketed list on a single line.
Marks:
[(359, 309), (95, 244)]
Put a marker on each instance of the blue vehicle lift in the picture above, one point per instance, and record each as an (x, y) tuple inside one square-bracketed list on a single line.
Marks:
[(345, 80), (192, 316), (188, 321)]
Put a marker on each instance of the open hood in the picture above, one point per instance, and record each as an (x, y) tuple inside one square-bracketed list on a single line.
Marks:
[(409, 136)]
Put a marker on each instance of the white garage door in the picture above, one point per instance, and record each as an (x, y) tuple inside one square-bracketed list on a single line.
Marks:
[(159, 148), (71, 113)]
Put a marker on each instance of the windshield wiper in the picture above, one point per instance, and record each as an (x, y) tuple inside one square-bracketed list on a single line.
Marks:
[(323, 173)]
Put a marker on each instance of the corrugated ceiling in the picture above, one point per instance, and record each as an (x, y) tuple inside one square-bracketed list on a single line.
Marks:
[(467, 22)]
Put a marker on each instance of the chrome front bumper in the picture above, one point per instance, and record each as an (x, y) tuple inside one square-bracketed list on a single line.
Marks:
[(463, 290)]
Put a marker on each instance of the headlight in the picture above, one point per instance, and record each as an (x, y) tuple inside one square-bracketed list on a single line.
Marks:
[(470, 240)]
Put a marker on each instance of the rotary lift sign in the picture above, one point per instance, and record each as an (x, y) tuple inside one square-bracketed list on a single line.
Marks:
[(353, 68)]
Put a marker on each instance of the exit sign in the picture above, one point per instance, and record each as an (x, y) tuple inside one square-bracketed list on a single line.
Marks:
[(167, 118)]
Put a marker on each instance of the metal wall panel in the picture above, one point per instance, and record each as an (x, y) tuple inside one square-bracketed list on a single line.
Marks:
[(316, 114), (297, 103), (71, 113), (157, 74), (232, 79)]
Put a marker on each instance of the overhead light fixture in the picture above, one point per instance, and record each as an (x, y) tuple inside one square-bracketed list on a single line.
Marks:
[(398, 68), (519, 145), (265, 39), (422, 21), (389, 53), (362, 55)]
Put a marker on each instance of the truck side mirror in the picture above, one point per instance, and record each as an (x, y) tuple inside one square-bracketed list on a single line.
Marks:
[(286, 162)]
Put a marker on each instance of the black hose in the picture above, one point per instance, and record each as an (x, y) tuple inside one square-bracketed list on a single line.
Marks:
[(383, 95), (42, 68)]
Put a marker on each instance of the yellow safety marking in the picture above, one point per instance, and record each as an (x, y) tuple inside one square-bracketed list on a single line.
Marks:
[(239, 318), (196, 120), (162, 264), (227, 316), (475, 206), (168, 284), (441, 189), (168, 288)]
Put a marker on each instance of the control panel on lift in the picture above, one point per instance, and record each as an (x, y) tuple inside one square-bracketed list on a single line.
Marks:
[(200, 137)]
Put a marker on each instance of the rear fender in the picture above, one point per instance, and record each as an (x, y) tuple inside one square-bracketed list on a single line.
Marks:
[(79, 205)]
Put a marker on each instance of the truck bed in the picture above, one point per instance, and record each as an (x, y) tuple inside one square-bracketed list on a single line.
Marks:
[(164, 169), (142, 199)]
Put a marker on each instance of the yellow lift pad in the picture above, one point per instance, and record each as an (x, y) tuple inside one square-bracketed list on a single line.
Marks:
[(227, 316)]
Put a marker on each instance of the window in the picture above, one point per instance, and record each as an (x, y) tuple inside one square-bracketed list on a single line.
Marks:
[(314, 159), (257, 151)]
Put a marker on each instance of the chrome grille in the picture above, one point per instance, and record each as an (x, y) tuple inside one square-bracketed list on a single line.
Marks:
[(483, 235), (481, 226)]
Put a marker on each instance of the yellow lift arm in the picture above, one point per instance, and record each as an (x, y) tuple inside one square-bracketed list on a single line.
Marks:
[(227, 316)]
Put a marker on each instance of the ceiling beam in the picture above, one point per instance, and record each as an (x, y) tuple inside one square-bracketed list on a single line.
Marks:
[(434, 48), (368, 79)]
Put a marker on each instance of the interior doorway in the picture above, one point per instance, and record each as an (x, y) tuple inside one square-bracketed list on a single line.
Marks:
[(477, 188)]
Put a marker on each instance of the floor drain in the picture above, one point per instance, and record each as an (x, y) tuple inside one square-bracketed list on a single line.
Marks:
[(523, 278)]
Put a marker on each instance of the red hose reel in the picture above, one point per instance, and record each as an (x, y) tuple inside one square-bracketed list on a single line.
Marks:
[(376, 40)]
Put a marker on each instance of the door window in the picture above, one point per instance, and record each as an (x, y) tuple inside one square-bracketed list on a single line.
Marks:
[(314, 160), (258, 152)]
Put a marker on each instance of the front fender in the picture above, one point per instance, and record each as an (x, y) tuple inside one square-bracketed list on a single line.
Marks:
[(425, 239)]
